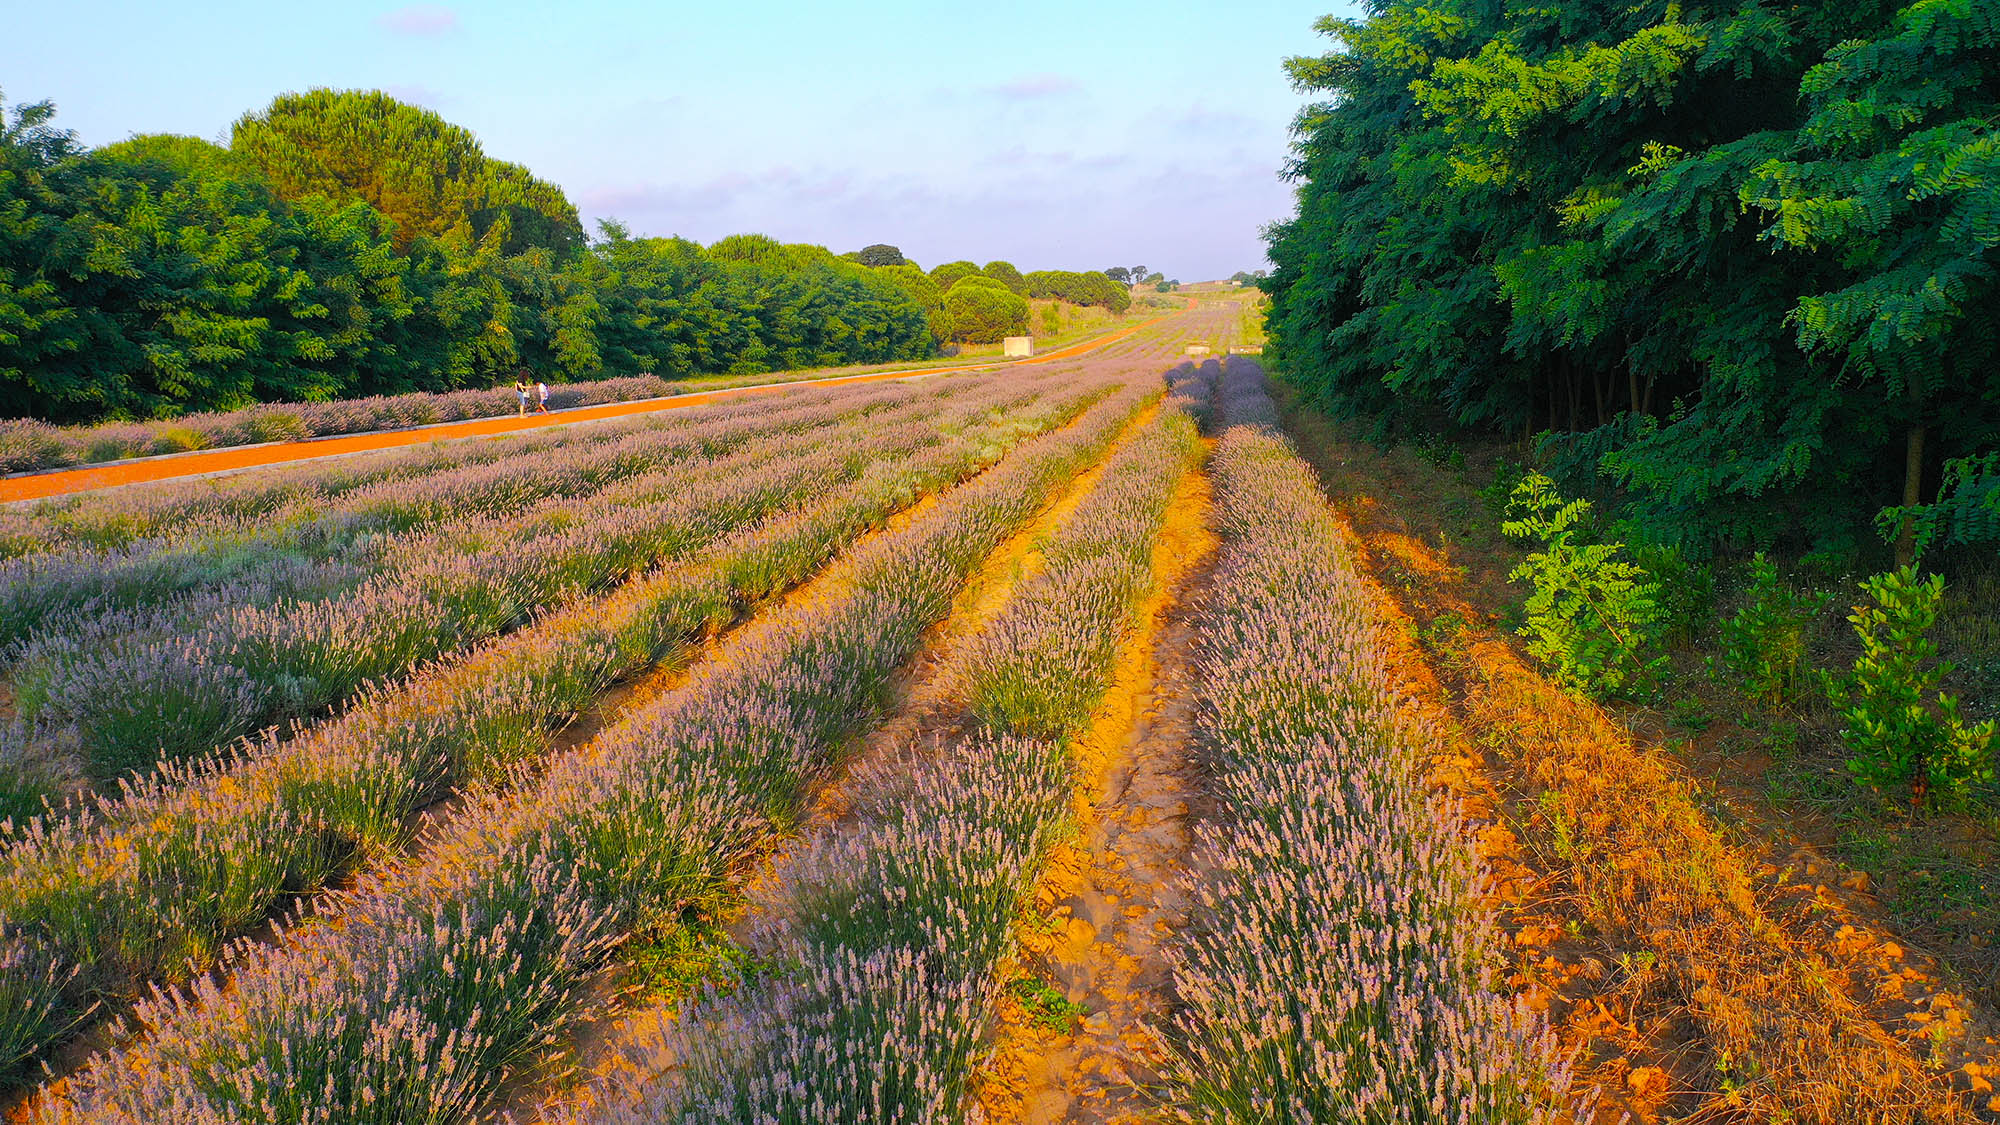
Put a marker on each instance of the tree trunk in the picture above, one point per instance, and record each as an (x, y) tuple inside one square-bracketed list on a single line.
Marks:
[(1913, 480)]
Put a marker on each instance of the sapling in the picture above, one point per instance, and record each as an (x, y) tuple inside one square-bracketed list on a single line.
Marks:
[(1898, 725)]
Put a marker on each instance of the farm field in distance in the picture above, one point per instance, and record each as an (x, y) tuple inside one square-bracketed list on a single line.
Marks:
[(1053, 743)]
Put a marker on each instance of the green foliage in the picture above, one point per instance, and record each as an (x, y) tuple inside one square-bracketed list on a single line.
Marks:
[(1006, 274), (428, 176), (1736, 257), (1900, 728), (880, 254), (1592, 616), (949, 274), (1046, 1005), (1764, 642), (1965, 514), (347, 245), (982, 310), (1090, 288)]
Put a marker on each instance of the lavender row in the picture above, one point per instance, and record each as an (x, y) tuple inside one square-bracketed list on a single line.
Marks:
[(201, 554), (129, 703), (441, 981), (1340, 967), (160, 878), (893, 924), (112, 518), (26, 444)]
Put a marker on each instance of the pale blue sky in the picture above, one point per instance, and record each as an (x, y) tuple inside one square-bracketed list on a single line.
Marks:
[(1056, 135)]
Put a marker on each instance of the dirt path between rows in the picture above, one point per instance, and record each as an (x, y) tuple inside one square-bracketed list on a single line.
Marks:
[(35, 486), (1110, 897)]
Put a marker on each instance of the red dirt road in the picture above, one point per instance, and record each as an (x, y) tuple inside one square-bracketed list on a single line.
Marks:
[(38, 485)]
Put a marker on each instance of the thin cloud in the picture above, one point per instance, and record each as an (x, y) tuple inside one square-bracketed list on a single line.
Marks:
[(420, 19), (1036, 87)]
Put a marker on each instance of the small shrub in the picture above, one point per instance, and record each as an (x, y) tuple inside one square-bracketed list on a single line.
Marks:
[(1496, 492), (1765, 641), (274, 425), (1899, 726), (107, 449), (1592, 618), (27, 444), (1686, 587), (1046, 1005), (177, 439)]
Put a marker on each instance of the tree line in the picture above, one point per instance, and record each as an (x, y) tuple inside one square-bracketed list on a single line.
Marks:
[(346, 244), (1734, 261)]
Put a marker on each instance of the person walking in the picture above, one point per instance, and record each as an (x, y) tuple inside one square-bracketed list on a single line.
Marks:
[(541, 397), (521, 390)]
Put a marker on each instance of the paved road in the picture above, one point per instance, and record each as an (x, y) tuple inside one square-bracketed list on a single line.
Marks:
[(34, 486)]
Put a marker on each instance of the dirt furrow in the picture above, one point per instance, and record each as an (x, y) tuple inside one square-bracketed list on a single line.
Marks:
[(1109, 898)]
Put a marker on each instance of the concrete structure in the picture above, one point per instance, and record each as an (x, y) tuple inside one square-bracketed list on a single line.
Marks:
[(1017, 345), (1197, 349), (1246, 349)]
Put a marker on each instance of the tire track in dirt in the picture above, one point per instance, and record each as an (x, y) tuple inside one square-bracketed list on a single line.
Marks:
[(1108, 901)]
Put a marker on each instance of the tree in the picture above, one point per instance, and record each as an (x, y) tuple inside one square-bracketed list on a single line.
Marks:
[(1138, 275), (983, 310), (949, 273), (1006, 274), (1091, 288), (429, 176), (1733, 260), (880, 254), (1119, 274), (163, 275)]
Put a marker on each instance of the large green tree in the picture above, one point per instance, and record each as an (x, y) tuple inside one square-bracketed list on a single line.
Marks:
[(983, 310), (428, 176), (1733, 256)]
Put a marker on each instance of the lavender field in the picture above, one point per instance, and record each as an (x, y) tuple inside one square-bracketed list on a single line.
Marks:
[(372, 790)]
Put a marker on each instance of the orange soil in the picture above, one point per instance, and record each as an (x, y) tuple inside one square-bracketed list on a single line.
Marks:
[(926, 706), (1697, 981), (1107, 900), (37, 485)]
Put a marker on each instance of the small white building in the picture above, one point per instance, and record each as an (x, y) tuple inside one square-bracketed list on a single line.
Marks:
[(1017, 345), (1197, 349)]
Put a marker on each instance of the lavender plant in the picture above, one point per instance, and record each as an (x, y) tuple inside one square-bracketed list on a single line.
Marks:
[(1342, 970)]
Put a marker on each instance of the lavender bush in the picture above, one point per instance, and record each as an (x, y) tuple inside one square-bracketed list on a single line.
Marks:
[(1341, 970)]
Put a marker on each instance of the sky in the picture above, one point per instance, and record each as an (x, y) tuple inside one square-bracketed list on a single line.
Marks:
[(1055, 135)]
